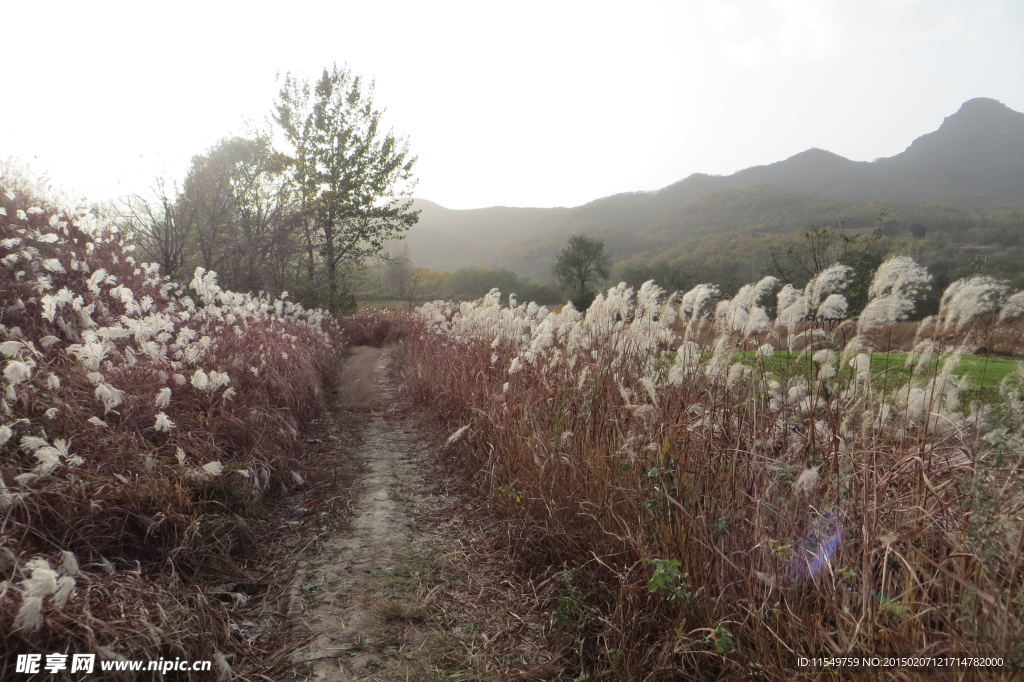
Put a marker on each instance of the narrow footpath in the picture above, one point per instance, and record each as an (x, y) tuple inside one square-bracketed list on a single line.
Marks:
[(409, 587)]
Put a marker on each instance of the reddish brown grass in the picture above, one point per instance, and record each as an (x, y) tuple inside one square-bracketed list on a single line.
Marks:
[(151, 538), (928, 556)]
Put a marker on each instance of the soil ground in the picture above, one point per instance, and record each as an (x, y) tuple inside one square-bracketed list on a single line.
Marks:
[(412, 584)]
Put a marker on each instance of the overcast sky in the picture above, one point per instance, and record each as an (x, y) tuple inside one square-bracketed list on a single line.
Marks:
[(520, 103)]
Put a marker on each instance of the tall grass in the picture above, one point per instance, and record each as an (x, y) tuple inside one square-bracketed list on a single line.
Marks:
[(725, 517), (141, 423)]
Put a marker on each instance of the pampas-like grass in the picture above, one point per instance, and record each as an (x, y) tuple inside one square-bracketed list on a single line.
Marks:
[(788, 493), (102, 435)]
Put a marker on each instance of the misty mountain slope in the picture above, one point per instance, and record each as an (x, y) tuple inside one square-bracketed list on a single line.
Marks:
[(973, 162), (446, 238), (747, 215), (978, 150)]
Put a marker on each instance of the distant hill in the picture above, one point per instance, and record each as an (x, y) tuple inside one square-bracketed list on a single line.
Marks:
[(974, 163)]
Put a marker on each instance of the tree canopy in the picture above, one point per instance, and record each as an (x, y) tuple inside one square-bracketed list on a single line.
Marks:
[(582, 265), (300, 207), (353, 179)]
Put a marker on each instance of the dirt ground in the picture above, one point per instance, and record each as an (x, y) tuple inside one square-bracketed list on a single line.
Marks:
[(410, 586)]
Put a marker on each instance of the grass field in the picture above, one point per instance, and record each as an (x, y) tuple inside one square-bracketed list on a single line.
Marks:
[(720, 511), (891, 371)]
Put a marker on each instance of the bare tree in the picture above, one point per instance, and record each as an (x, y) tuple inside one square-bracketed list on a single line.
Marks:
[(161, 226), (403, 281)]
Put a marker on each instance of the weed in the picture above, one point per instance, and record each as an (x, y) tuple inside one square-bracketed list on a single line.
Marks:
[(668, 581)]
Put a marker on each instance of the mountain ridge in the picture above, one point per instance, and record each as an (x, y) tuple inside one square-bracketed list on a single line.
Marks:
[(974, 160)]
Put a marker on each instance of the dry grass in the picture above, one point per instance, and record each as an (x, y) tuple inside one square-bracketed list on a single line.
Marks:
[(694, 541), (475, 615), (376, 328)]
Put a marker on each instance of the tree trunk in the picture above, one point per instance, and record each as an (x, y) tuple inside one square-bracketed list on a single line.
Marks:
[(332, 264)]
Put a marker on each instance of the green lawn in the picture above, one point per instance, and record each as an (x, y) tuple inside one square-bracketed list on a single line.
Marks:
[(889, 370)]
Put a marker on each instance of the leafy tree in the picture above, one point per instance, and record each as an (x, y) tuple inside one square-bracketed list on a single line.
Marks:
[(581, 265), (233, 214), (470, 283), (674, 275), (241, 199), (353, 179)]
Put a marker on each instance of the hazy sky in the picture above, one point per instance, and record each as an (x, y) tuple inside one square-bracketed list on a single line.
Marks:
[(519, 103)]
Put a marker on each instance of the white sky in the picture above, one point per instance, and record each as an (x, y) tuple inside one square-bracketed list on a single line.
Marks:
[(524, 103)]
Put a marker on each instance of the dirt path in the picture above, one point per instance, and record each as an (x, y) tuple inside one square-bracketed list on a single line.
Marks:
[(403, 589)]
